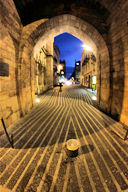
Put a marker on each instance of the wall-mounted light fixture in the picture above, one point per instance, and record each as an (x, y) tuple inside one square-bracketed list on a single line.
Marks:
[(37, 100)]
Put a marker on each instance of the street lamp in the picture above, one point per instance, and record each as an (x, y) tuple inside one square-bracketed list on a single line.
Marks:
[(62, 72), (88, 48), (37, 100), (59, 68), (59, 71)]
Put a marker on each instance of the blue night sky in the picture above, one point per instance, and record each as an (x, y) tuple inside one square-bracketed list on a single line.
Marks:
[(70, 50)]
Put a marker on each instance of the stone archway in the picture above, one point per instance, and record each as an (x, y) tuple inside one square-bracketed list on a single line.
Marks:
[(40, 31)]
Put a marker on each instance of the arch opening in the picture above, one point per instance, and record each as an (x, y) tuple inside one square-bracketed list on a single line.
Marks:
[(87, 52), (43, 34)]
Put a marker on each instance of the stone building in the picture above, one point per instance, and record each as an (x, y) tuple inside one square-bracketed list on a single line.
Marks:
[(40, 71), (88, 69), (56, 61), (103, 25), (77, 71), (63, 63)]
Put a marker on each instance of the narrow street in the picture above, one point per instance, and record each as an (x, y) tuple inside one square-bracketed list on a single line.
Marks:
[(39, 163)]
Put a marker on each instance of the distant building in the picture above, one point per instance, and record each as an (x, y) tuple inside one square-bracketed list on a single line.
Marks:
[(63, 71), (56, 61), (77, 71), (88, 69)]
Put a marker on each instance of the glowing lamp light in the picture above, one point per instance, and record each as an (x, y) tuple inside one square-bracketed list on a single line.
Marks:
[(37, 100), (68, 83), (94, 98), (87, 47), (59, 68), (61, 80)]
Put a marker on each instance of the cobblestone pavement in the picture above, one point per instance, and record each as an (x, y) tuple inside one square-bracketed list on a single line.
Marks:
[(39, 161)]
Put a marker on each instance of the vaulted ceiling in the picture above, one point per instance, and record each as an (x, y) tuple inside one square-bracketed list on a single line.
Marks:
[(94, 12)]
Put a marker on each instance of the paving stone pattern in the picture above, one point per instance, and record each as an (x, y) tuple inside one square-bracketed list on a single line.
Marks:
[(39, 162)]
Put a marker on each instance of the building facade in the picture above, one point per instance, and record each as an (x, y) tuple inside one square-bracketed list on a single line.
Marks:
[(56, 61), (63, 64), (88, 69), (40, 71), (77, 71), (61, 71)]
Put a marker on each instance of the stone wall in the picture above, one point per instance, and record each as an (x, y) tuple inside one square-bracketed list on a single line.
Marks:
[(10, 32), (26, 66), (40, 71), (118, 47), (103, 79), (49, 63)]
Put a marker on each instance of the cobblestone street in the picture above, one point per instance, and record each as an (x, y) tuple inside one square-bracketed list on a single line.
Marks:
[(39, 163)]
